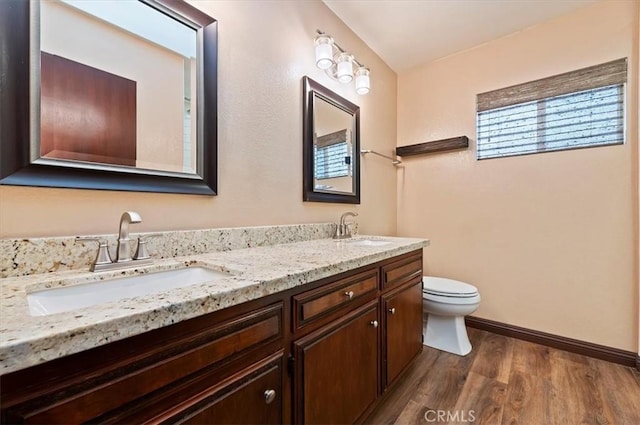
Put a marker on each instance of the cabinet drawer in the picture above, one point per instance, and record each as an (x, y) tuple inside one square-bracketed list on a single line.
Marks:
[(401, 271), (314, 304), (111, 387), (253, 395)]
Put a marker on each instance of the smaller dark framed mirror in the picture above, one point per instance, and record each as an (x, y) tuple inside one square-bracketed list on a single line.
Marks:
[(331, 146)]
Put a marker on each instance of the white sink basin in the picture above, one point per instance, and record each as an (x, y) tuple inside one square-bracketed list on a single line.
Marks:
[(368, 242), (68, 298)]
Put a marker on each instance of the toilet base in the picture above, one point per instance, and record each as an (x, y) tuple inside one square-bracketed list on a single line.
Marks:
[(447, 333)]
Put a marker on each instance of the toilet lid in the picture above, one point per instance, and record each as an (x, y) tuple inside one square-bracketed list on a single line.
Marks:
[(448, 287)]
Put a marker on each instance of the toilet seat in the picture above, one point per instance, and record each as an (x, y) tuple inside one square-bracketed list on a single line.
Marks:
[(439, 286), (449, 291), (449, 294), (448, 299)]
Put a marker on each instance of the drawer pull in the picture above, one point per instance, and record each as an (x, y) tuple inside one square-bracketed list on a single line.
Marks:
[(269, 396), (349, 294), (374, 323), (392, 310)]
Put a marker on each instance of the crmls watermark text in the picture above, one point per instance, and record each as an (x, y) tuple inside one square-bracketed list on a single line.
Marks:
[(450, 416)]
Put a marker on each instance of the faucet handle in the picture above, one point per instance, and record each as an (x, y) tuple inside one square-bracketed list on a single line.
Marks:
[(103, 256), (142, 253)]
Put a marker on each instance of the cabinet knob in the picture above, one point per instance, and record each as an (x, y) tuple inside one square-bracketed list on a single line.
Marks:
[(349, 294), (269, 396), (392, 310), (374, 323)]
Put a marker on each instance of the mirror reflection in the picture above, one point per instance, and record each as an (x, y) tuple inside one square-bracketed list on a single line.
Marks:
[(119, 88), (330, 146)]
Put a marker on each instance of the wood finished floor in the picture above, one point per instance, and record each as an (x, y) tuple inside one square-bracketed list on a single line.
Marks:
[(509, 381)]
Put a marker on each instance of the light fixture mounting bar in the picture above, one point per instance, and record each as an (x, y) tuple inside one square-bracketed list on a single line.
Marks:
[(340, 49), (339, 64)]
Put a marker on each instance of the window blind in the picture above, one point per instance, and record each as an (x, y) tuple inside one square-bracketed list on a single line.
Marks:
[(332, 161), (583, 108)]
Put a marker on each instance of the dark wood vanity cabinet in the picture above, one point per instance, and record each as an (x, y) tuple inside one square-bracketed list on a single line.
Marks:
[(196, 367), (366, 330), (324, 352)]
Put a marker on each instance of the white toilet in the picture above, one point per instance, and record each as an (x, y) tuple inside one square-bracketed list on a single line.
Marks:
[(447, 301)]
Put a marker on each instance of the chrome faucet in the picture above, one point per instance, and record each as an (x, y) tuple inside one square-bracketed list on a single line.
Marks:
[(123, 259), (124, 243), (342, 229)]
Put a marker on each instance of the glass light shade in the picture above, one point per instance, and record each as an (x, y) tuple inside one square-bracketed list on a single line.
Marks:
[(362, 81), (324, 51), (345, 68)]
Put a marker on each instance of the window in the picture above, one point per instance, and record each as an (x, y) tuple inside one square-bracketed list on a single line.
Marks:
[(332, 155), (332, 161), (579, 109)]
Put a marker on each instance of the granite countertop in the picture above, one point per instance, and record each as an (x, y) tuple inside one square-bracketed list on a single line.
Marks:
[(27, 340)]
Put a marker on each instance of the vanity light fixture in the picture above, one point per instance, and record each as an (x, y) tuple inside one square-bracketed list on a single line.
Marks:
[(339, 65)]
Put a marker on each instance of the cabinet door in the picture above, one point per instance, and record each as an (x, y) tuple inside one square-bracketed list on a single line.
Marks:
[(403, 323), (337, 369)]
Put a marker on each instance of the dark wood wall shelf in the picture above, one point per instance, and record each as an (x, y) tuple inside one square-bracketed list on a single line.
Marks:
[(461, 142)]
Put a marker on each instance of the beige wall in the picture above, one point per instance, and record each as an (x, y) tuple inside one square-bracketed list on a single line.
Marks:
[(548, 239), (265, 48), (637, 170)]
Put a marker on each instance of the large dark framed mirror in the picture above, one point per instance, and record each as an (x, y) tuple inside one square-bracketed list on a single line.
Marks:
[(108, 95), (331, 146)]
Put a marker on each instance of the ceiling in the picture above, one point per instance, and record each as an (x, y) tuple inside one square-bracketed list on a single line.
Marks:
[(406, 33)]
